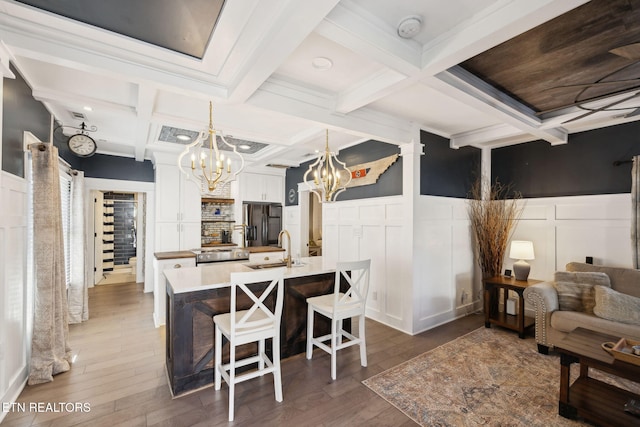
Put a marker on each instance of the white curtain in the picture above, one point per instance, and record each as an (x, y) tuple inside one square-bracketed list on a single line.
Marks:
[(78, 286), (50, 351), (635, 214)]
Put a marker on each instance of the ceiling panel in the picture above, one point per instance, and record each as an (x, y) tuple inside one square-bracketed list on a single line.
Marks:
[(434, 110), (436, 17), (348, 68)]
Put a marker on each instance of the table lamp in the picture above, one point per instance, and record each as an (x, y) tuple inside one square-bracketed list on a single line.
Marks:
[(521, 250)]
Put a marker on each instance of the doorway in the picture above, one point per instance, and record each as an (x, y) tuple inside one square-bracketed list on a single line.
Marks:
[(315, 225), (119, 219), (310, 222)]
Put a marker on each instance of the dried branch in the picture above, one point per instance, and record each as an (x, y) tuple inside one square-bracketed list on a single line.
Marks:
[(492, 221)]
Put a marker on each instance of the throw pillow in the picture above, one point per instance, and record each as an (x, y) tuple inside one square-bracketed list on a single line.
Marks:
[(576, 289), (616, 306)]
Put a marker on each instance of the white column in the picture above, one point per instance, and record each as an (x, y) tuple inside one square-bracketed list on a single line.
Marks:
[(485, 172), (410, 153)]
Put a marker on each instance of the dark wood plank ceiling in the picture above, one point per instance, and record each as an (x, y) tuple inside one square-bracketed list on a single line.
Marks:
[(183, 26), (571, 49)]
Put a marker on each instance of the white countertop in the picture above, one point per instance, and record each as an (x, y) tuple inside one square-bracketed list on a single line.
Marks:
[(218, 275)]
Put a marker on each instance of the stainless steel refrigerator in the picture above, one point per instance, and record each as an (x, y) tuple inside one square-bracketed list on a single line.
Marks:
[(264, 223)]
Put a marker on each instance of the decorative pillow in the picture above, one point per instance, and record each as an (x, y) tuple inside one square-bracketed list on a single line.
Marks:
[(616, 306), (575, 289)]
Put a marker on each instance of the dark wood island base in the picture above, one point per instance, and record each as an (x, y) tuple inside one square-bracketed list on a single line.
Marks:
[(189, 328)]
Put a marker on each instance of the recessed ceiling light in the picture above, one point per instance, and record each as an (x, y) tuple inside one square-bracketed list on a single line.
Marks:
[(244, 146), (322, 63), (183, 137), (87, 108)]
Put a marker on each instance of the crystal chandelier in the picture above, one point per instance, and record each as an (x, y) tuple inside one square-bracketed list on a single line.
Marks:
[(329, 176), (209, 167)]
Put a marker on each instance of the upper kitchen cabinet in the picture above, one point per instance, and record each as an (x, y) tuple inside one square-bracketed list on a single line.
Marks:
[(256, 187), (177, 198), (178, 210)]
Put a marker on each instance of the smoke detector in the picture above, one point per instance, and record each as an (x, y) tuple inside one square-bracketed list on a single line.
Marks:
[(410, 26)]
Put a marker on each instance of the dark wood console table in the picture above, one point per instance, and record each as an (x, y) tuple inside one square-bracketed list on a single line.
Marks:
[(492, 315)]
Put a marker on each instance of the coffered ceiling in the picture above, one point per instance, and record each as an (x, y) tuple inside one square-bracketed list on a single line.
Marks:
[(479, 72)]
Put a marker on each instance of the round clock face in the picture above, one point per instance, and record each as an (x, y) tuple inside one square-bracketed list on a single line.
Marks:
[(82, 145)]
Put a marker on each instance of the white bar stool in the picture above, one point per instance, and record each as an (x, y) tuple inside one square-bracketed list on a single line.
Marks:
[(246, 326), (339, 306)]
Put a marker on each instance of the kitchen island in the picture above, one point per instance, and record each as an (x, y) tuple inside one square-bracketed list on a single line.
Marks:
[(196, 294)]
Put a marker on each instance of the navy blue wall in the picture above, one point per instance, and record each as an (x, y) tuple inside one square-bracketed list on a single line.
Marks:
[(103, 165), (444, 171), (20, 112), (389, 183), (583, 166)]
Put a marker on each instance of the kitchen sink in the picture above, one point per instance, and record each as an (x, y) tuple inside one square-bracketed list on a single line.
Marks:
[(267, 265)]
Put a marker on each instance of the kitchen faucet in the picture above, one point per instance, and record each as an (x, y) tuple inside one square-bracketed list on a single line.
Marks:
[(288, 258)]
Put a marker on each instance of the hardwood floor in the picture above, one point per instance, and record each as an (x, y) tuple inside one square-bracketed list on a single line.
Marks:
[(119, 372)]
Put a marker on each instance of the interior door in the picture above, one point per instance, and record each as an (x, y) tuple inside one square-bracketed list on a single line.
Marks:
[(98, 201)]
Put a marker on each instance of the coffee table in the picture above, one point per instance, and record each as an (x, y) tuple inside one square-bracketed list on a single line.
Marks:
[(589, 398)]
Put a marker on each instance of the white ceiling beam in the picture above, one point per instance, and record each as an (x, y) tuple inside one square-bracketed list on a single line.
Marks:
[(5, 58), (376, 86), (81, 100), (481, 137), (144, 109), (469, 89), (294, 22), (294, 100)]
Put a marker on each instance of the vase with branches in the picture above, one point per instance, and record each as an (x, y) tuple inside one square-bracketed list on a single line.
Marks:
[(493, 218)]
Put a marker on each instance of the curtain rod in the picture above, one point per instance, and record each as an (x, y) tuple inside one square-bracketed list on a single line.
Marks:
[(42, 146), (621, 162)]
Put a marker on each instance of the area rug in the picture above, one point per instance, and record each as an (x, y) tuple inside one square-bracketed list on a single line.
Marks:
[(487, 377)]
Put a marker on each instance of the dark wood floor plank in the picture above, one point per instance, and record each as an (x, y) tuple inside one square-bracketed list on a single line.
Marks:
[(119, 370)]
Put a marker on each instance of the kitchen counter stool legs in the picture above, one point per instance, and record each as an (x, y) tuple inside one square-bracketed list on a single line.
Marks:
[(257, 324), (339, 306)]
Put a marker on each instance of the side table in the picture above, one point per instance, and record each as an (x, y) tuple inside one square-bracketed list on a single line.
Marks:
[(492, 286)]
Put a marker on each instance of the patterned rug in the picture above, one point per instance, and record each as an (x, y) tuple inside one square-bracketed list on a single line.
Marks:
[(487, 377)]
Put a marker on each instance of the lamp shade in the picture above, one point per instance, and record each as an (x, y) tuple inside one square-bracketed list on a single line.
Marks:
[(521, 249)]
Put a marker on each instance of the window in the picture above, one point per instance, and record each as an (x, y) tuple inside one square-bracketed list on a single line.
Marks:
[(65, 201)]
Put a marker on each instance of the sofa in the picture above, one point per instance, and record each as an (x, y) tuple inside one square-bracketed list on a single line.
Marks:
[(599, 298)]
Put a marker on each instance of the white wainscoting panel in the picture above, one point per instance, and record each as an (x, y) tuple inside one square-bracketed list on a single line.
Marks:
[(607, 244), (566, 229), (443, 257), (395, 213), (372, 246), (393, 281), (373, 228), (372, 214), (15, 297)]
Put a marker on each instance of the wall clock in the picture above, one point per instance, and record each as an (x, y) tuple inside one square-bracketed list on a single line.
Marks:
[(82, 145)]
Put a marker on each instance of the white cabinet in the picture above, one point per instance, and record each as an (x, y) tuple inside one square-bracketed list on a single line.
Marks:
[(160, 285), (262, 257), (177, 236), (257, 187), (178, 210)]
